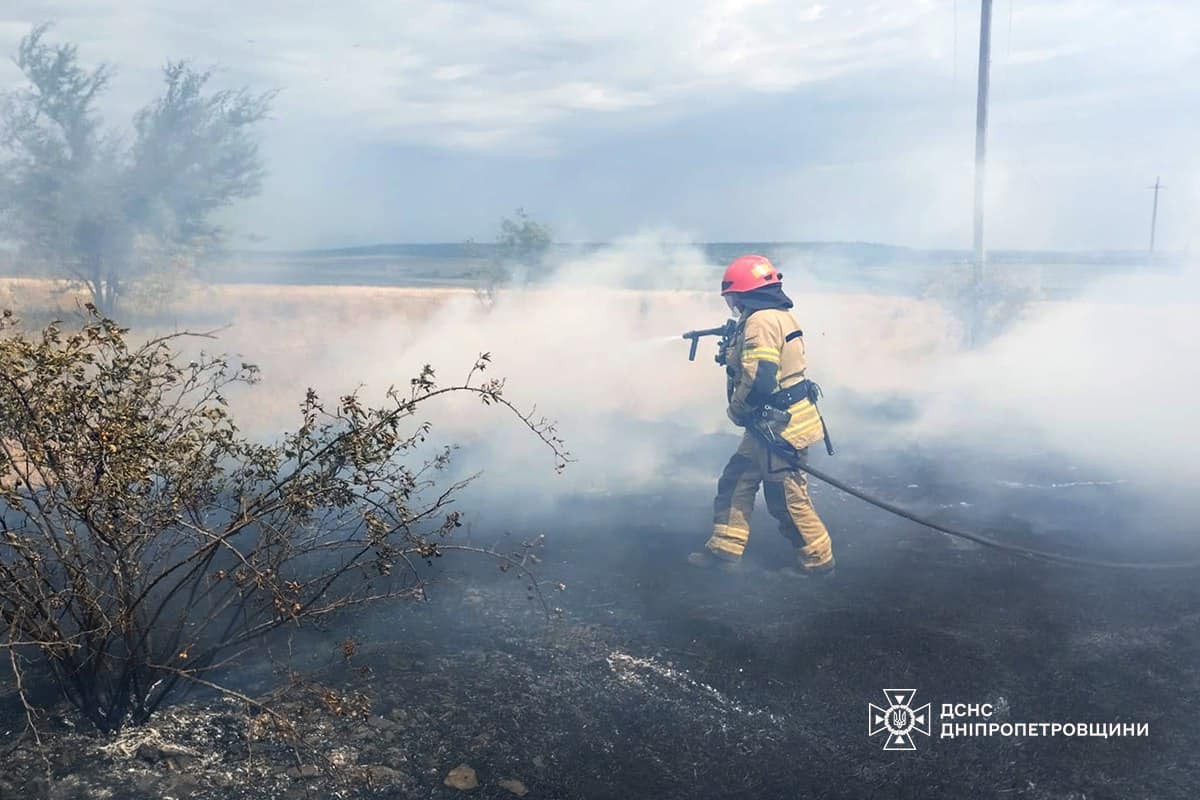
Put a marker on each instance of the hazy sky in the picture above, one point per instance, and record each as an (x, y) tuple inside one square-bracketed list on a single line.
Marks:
[(708, 119)]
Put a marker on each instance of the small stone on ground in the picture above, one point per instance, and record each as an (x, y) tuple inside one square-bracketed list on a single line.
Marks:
[(515, 786), (462, 778)]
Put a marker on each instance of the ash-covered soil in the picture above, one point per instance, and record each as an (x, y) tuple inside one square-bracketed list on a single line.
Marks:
[(660, 681)]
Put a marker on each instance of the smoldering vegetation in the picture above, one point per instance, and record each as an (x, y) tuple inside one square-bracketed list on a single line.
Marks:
[(650, 679), (1093, 383)]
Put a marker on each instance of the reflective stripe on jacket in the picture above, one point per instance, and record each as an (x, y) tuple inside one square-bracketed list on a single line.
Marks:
[(763, 360), (765, 356)]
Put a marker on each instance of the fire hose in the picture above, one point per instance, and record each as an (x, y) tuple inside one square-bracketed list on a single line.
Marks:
[(1030, 552), (726, 333)]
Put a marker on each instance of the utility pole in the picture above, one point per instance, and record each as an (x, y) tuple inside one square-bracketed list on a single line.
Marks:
[(1154, 214), (981, 112)]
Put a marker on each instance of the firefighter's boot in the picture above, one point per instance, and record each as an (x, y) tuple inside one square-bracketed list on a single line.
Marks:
[(821, 572), (707, 559)]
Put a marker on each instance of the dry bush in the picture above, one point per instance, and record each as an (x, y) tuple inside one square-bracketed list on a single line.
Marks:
[(982, 312), (145, 543)]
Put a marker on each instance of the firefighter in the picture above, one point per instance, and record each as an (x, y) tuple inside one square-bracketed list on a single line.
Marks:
[(770, 397)]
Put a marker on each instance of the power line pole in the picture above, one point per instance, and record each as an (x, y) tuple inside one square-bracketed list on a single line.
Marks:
[(1154, 214), (981, 112)]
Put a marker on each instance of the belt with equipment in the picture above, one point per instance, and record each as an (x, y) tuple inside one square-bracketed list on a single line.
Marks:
[(786, 398), (775, 415)]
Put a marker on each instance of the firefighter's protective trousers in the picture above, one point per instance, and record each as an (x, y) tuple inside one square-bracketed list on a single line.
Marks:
[(765, 356), (786, 493)]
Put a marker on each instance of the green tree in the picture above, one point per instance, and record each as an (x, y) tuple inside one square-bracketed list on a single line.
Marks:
[(523, 242), (106, 211), (521, 246)]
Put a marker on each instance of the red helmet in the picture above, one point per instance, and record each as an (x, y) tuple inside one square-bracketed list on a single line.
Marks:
[(748, 273)]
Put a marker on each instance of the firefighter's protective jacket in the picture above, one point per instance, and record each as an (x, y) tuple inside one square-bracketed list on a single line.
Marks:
[(766, 356)]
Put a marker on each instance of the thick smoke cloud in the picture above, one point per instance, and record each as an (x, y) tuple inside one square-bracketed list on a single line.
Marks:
[(598, 349), (1107, 379), (1090, 388)]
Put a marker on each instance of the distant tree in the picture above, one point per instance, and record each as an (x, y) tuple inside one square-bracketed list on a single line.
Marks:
[(522, 244), (523, 241), (111, 212)]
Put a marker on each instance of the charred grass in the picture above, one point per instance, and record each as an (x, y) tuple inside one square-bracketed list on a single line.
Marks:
[(659, 681)]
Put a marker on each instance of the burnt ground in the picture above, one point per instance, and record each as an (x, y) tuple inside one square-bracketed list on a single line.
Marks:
[(661, 681)]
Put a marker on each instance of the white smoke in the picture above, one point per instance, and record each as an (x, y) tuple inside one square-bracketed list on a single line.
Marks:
[(1092, 381), (1108, 379), (598, 348)]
